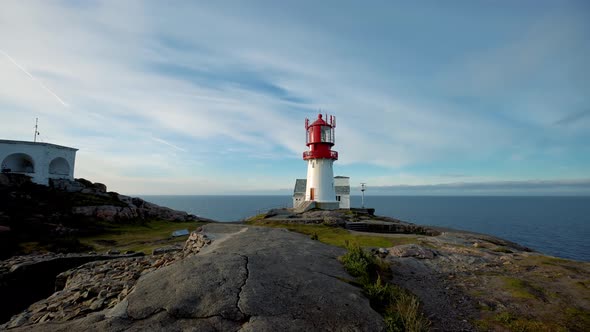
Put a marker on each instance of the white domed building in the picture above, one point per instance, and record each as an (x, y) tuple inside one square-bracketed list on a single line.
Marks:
[(40, 161)]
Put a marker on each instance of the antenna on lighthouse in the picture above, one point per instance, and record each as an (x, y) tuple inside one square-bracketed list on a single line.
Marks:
[(36, 131)]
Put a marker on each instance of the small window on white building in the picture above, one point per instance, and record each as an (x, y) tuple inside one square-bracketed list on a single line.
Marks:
[(338, 198)]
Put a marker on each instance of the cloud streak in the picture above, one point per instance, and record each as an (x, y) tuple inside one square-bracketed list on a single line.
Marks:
[(573, 117), (34, 79), (159, 140)]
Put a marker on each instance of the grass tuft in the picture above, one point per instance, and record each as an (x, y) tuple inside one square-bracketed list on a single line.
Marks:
[(337, 236), (522, 289), (400, 309), (503, 250)]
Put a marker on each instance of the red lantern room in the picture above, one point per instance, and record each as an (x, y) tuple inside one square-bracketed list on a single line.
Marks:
[(320, 138)]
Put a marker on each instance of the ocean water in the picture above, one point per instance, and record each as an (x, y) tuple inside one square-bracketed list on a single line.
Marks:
[(557, 226)]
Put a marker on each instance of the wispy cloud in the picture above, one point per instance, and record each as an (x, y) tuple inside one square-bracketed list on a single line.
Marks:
[(34, 79), (149, 81), (573, 117), (159, 140)]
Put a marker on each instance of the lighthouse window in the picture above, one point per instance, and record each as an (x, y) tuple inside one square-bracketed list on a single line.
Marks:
[(326, 134)]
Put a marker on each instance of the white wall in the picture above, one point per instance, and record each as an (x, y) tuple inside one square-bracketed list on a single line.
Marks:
[(298, 199), (320, 176), (345, 201), (41, 155), (345, 182)]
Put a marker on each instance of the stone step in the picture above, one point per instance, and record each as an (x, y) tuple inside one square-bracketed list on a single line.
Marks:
[(357, 226)]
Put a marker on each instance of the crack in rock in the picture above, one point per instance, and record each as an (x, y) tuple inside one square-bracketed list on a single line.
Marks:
[(247, 317)]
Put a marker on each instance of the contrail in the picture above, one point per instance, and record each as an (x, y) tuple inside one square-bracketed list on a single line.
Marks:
[(159, 140), (34, 79)]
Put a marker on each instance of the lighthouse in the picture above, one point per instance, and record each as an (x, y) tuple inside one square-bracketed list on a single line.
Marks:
[(320, 158)]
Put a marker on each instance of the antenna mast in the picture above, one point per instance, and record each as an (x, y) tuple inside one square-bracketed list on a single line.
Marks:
[(36, 131)]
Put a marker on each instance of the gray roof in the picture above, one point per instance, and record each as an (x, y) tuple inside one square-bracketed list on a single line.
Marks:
[(342, 190), (300, 185)]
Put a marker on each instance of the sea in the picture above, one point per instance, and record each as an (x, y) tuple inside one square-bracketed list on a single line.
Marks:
[(556, 226)]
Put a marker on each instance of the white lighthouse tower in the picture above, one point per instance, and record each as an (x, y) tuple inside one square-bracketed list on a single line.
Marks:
[(320, 158)]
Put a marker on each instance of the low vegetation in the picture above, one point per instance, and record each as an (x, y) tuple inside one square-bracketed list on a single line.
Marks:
[(534, 293), (521, 289), (400, 309), (142, 237), (337, 236), (138, 237), (506, 320)]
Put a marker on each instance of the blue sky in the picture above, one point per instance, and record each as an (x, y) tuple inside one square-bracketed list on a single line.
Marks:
[(186, 97)]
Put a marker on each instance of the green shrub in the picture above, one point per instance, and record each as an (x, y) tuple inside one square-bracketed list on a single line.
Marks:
[(359, 263), (400, 309), (406, 313)]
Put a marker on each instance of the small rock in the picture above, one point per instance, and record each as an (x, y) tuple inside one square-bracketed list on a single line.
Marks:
[(37, 307), (113, 252), (45, 318), (100, 187), (97, 304), (165, 250), (18, 320), (412, 250), (53, 306)]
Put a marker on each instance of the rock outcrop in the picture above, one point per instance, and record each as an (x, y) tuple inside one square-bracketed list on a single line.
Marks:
[(464, 278), (247, 279), (355, 219), (98, 285), (125, 207), (412, 250), (25, 279), (65, 209), (134, 208)]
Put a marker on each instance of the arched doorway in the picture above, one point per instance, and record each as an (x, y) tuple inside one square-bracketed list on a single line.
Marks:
[(18, 163), (59, 166)]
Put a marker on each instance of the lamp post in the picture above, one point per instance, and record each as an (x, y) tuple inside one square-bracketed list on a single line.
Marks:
[(363, 188)]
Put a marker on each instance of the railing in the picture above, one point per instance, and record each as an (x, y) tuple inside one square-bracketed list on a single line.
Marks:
[(315, 154)]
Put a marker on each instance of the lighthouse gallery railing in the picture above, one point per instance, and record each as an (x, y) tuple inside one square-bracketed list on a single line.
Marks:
[(307, 154)]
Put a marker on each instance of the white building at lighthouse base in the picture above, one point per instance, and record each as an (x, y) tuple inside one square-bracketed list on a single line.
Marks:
[(341, 192)]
